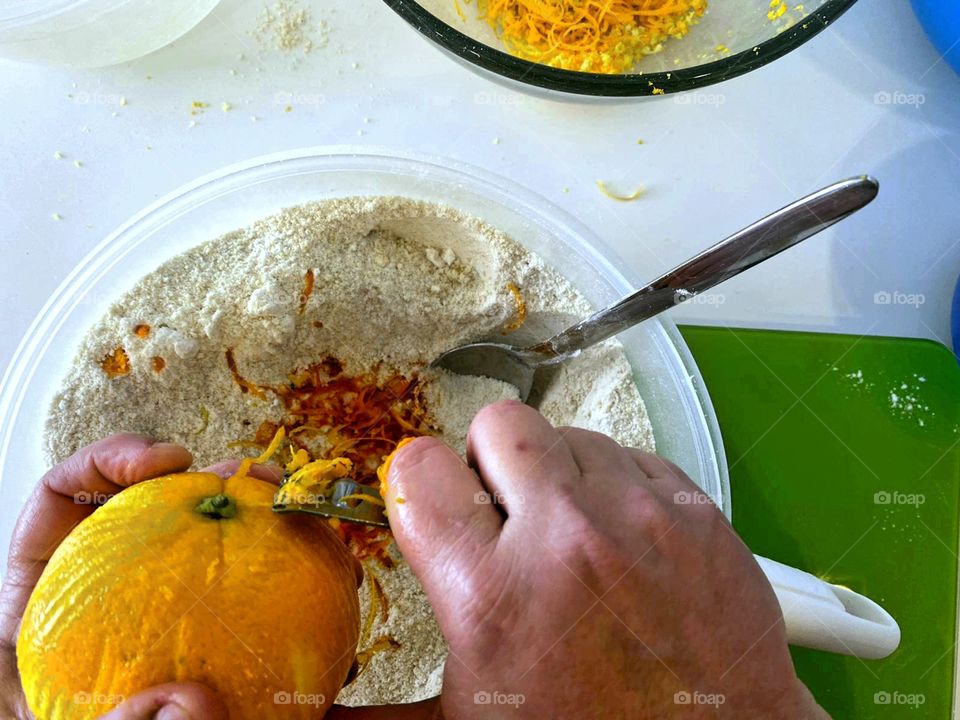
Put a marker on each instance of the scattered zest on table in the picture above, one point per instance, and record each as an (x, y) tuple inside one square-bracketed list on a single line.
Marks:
[(635, 195)]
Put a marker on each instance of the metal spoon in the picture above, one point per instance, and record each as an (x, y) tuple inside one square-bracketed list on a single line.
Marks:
[(741, 251)]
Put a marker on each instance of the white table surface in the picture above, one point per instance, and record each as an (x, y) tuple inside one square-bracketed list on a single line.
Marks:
[(709, 168), (767, 138)]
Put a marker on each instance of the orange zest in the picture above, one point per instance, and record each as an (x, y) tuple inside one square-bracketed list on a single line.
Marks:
[(116, 364), (586, 35), (245, 385), (307, 290), (384, 470), (381, 644), (356, 419), (521, 315), (635, 195)]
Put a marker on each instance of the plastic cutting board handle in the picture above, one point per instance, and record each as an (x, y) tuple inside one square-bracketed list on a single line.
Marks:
[(829, 617)]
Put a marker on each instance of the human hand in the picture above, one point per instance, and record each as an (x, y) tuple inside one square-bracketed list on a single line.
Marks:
[(65, 496), (590, 589)]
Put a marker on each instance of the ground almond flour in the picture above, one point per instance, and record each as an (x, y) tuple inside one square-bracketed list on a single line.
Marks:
[(395, 282)]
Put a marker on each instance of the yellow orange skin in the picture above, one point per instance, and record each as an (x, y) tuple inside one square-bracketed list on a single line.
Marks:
[(260, 607)]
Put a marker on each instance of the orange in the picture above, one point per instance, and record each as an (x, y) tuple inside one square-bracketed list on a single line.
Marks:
[(191, 577)]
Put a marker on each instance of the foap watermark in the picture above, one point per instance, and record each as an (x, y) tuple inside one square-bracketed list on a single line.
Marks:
[(482, 497), (910, 700), (709, 299), (304, 498), (899, 498), (691, 497), (84, 97), (897, 97), (885, 297), (84, 497), (283, 697), (486, 97), (495, 697), (700, 98), (97, 698), (685, 697), (298, 98)]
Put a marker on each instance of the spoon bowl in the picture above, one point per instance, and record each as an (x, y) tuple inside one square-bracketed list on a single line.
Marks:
[(508, 363)]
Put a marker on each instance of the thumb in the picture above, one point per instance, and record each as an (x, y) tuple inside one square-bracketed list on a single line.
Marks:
[(173, 701), (441, 517)]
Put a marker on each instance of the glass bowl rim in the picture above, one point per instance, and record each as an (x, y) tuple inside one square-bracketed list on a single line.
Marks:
[(616, 85)]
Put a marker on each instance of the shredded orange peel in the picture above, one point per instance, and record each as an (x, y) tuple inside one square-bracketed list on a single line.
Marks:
[(245, 385), (313, 480), (263, 457), (384, 470), (297, 460), (116, 364), (611, 36), (521, 304), (635, 195), (305, 478)]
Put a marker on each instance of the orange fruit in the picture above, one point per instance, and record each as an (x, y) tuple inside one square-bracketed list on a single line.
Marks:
[(192, 577)]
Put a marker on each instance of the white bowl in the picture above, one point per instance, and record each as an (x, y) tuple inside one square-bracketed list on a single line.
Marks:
[(684, 423), (816, 614), (93, 33)]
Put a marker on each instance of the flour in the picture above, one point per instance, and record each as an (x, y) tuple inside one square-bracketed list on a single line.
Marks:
[(396, 282), (287, 26)]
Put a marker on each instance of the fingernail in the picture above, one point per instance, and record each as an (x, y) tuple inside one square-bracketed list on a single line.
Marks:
[(172, 711)]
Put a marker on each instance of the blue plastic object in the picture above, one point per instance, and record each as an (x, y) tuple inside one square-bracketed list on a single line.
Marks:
[(941, 20)]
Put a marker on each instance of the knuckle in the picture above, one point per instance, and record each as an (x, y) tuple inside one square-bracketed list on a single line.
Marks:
[(580, 543), (602, 441), (649, 514)]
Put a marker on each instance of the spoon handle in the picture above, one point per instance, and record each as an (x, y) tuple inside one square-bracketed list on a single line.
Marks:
[(741, 251)]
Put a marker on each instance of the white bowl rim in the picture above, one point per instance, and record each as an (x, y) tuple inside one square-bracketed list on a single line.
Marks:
[(36, 340)]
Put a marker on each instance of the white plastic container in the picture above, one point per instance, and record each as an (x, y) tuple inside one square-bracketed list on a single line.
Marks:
[(93, 33), (817, 614)]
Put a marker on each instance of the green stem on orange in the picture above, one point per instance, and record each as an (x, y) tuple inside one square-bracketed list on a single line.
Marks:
[(217, 507)]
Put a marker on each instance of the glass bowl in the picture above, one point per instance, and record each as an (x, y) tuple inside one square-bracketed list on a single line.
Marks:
[(732, 38), (685, 426), (93, 33)]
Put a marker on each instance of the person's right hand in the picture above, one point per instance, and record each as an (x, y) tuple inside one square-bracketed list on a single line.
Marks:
[(602, 584)]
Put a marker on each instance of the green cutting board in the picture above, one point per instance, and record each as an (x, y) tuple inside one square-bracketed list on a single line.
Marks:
[(844, 457)]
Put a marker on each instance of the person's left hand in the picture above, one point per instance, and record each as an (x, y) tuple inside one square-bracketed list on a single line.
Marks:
[(59, 502), (97, 471)]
